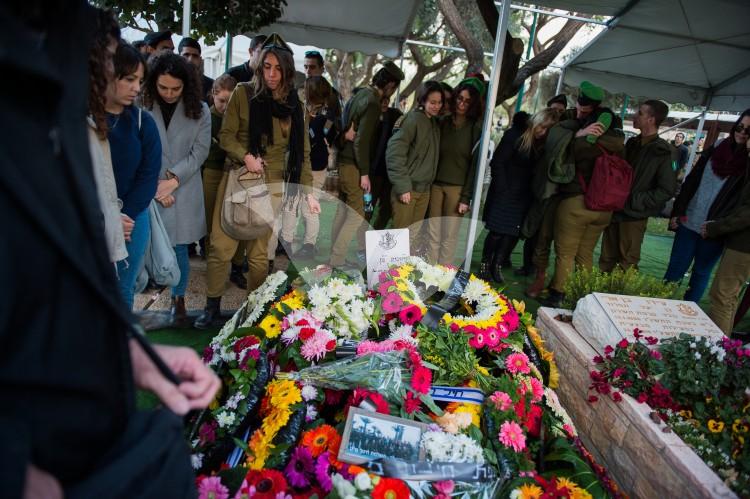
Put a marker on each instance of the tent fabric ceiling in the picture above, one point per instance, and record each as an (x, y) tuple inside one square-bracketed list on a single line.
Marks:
[(686, 51), (372, 27)]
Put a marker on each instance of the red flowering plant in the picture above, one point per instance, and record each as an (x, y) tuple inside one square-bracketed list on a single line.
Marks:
[(631, 367)]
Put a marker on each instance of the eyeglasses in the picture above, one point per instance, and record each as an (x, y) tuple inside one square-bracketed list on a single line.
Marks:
[(742, 129), (461, 98), (312, 53)]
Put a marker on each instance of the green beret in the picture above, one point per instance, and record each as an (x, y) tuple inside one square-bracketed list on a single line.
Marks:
[(591, 91), (476, 83), (394, 70)]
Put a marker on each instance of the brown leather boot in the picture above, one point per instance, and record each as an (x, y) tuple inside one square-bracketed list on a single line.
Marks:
[(537, 285), (178, 312)]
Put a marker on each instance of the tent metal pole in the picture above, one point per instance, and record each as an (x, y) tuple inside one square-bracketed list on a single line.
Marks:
[(186, 17), (558, 89), (502, 29), (532, 36), (624, 109), (694, 147), (441, 47), (680, 124), (228, 58)]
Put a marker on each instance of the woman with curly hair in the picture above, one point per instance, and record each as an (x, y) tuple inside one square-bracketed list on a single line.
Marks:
[(263, 133), (173, 92), (117, 227)]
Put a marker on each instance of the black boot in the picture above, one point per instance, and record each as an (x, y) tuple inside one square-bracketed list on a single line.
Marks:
[(210, 313), (553, 300), (178, 314), (237, 277), (497, 272)]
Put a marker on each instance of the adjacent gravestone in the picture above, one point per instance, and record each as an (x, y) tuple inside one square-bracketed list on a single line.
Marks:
[(385, 248), (605, 318)]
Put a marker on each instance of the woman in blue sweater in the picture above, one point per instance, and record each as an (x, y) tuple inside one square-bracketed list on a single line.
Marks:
[(136, 159)]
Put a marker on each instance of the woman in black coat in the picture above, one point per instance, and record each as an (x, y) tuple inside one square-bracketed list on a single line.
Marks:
[(509, 196)]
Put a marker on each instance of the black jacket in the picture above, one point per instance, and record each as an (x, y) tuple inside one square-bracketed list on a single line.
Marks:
[(726, 199), (242, 72), (509, 196), (65, 375)]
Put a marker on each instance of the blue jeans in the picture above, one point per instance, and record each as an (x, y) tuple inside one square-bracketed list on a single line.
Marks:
[(127, 269), (688, 246), (181, 251)]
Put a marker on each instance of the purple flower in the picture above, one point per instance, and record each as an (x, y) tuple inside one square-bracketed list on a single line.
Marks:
[(323, 471), (300, 468), (207, 432)]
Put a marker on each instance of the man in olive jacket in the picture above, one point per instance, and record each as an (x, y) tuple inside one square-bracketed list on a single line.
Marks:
[(361, 118), (654, 183)]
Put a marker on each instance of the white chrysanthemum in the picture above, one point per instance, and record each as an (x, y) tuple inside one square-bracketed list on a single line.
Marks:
[(697, 356), (225, 419), (474, 290), (403, 333), (362, 481), (234, 401), (318, 296), (196, 460), (311, 412), (343, 487), (308, 393), (228, 355)]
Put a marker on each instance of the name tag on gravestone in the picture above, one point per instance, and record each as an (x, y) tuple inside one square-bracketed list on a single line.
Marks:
[(606, 318), (385, 248)]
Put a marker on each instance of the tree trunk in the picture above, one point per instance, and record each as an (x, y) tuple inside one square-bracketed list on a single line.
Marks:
[(453, 18)]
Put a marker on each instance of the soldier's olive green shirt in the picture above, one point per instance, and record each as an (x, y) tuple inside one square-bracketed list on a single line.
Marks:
[(457, 163), (364, 113), (412, 154), (235, 132)]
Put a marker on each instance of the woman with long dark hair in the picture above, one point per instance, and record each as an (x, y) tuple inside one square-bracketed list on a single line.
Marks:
[(263, 132), (710, 192), (451, 191), (136, 158), (173, 95), (509, 196), (412, 157)]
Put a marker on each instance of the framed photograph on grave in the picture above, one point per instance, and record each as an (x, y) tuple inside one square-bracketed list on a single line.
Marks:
[(370, 435)]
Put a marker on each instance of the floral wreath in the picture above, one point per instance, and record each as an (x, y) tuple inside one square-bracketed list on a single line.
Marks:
[(493, 318)]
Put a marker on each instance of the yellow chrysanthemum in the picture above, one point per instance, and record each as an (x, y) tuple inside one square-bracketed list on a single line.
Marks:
[(271, 326), (472, 409), (481, 370), (529, 491), (283, 393), (579, 493), (567, 483), (402, 285), (520, 306)]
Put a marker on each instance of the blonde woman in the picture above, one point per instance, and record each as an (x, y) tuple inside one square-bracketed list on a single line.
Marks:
[(509, 196)]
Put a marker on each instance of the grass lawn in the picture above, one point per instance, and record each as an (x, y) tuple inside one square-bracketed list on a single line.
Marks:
[(657, 246)]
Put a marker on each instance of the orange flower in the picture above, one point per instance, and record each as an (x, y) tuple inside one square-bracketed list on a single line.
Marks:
[(355, 470), (390, 488), (321, 439)]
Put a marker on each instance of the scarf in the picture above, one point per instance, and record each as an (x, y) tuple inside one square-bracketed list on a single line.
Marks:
[(263, 108), (729, 159)]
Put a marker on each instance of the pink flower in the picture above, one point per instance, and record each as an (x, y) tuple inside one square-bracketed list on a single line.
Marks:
[(316, 347), (212, 488), (444, 487), (392, 303), (503, 331), (537, 389), (421, 379), (393, 273), (454, 327), (517, 363), (511, 436), (410, 315), (623, 343), (511, 318), (617, 397), (492, 338), (374, 346), (656, 354), (383, 288), (608, 350), (415, 358), (651, 340), (501, 400), (477, 340)]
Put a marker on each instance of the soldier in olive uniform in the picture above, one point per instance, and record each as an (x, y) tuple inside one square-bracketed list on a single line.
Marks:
[(361, 117)]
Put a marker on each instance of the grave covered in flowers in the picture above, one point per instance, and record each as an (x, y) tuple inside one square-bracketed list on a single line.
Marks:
[(431, 384)]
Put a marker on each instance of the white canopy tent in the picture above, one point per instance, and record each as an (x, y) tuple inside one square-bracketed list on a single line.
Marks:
[(366, 26), (689, 51)]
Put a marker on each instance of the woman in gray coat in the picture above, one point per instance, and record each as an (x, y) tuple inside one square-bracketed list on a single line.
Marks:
[(173, 96)]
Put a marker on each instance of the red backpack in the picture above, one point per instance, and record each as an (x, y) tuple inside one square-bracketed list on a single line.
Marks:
[(610, 183)]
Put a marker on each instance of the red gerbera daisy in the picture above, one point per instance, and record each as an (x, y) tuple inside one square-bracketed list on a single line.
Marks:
[(267, 483), (390, 488)]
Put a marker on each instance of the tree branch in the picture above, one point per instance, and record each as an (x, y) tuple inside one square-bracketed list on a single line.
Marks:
[(474, 52), (370, 62)]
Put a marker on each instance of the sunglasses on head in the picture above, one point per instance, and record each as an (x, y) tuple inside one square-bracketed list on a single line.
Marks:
[(742, 129), (312, 53)]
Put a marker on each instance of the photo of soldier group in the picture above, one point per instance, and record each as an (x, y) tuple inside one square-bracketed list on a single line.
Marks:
[(374, 436)]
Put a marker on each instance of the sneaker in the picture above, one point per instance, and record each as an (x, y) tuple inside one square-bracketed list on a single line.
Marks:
[(307, 251)]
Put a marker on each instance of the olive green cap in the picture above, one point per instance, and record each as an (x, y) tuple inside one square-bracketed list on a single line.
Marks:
[(591, 91), (393, 70)]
